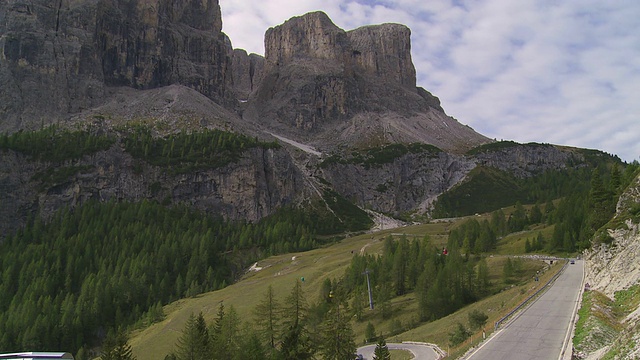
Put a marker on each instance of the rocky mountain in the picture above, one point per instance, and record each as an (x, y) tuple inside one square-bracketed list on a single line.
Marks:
[(343, 104), (60, 57), (333, 88)]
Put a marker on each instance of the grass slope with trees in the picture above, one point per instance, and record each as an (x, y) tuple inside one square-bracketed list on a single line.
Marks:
[(84, 277)]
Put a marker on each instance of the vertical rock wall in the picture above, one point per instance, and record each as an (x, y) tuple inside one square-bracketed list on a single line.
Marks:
[(247, 73), (385, 51), (57, 57)]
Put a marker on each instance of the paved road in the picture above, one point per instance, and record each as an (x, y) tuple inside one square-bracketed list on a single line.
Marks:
[(540, 331), (420, 352)]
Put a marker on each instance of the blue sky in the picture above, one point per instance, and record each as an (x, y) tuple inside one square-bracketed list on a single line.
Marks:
[(561, 72)]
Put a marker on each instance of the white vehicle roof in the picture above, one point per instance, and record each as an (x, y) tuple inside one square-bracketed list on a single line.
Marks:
[(32, 355)]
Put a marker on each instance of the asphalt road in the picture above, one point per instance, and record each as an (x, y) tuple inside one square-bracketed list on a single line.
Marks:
[(420, 352), (540, 331)]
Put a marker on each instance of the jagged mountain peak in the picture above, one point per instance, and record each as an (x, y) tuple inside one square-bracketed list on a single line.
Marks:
[(335, 88)]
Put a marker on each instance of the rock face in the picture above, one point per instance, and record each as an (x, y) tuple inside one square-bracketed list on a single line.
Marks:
[(247, 73), (615, 267), (254, 187), (57, 57), (320, 81), (525, 160), (410, 183), (48, 62), (312, 36), (384, 51), (166, 63), (147, 44)]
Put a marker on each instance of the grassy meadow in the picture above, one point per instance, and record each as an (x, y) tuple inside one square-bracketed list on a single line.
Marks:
[(282, 271)]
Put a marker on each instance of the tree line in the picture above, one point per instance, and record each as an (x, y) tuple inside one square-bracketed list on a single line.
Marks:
[(575, 217), (281, 329), (56, 144), (182, 152), (186, 152), (66, 281), (488, 189)]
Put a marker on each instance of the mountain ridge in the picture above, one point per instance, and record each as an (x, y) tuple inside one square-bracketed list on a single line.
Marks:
[(347, 94)]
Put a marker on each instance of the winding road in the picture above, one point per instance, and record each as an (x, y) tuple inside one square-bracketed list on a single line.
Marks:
[(543, 329)]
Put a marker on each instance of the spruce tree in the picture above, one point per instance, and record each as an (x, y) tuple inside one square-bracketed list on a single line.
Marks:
[(338, 340), (194, 342), (369, 333), (382, 351), (116, 347)]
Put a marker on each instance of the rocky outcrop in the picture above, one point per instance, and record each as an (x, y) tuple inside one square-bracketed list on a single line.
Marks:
[(612, 267), (525, 160), (57, 57), (48, 62), (320, 82), (247, 73), (262, 181), (410, 183), (385, 51), (616, 266), (309, 37)]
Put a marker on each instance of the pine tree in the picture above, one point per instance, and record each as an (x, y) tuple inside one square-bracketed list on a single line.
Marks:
[(296, 342), (116, 347), (616, 180), (268, 317), (251, 346), (536, 214), (507, 271), (337, 335), (399, 269), (382, 351), (601, 202), (227, 339), (482, 278), (369, 333), (194, 342), (296, 306)]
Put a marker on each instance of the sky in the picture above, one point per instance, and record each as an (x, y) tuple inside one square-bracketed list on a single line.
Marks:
[(561, 72)]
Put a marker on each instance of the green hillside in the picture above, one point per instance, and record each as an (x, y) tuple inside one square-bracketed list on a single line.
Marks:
[(73, 280), (317, 267)]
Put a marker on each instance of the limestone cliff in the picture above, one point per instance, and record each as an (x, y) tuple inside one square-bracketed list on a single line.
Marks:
[(385, 51), (262, 181), (611, 267), (247, 73), (320, 83), (147, 44), (48, 62), (57, 57)]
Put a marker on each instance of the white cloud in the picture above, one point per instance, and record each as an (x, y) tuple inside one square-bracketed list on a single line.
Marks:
[(529, 70)]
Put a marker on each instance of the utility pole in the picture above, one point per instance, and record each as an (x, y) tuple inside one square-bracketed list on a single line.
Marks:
[(366, 272)]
